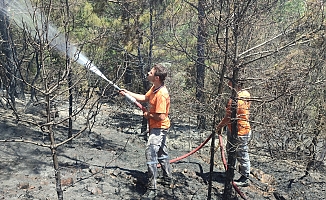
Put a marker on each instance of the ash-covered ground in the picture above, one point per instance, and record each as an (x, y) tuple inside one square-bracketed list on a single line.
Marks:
[(108, 162)]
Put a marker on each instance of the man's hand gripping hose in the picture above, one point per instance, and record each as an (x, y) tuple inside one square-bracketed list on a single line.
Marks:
[(128, 96)]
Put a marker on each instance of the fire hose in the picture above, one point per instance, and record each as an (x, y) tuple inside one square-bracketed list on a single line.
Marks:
[(94, 69), (128, 96), (222, 156)]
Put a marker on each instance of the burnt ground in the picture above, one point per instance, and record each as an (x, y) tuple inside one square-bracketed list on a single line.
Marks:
[(108, 162)]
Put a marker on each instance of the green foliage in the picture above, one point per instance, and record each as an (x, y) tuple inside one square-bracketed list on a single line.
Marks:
[(295, 7), (88, 23), (289, 10), (91, 19)]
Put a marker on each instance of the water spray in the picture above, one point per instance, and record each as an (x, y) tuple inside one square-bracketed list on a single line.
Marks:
[(30, 19)]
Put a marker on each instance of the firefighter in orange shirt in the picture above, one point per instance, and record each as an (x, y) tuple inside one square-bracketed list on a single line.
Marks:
[(244, 132), (159, 124)]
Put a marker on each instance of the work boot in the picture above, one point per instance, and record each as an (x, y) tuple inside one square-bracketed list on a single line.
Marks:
[(243, 181), (149, 195), (167, 181)]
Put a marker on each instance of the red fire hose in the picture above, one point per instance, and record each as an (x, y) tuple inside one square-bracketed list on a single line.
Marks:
[(222, 152), (191, 152), (222, 156)]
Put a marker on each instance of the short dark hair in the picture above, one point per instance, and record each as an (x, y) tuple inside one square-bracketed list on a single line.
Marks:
[(160, 71)]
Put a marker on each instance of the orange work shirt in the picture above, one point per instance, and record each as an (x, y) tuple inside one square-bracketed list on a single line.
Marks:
[(159, 102), (242, 112)]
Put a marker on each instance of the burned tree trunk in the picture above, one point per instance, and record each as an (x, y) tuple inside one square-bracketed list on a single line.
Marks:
[(200, 64), (232, 142)]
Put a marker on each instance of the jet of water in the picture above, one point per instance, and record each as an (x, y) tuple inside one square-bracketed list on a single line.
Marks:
[(29, 18)]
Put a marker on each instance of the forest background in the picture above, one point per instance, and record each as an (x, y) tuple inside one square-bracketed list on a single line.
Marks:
[(276, 48)]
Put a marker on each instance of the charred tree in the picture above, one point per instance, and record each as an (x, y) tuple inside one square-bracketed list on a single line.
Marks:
[(200, 64), (232, 140)]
